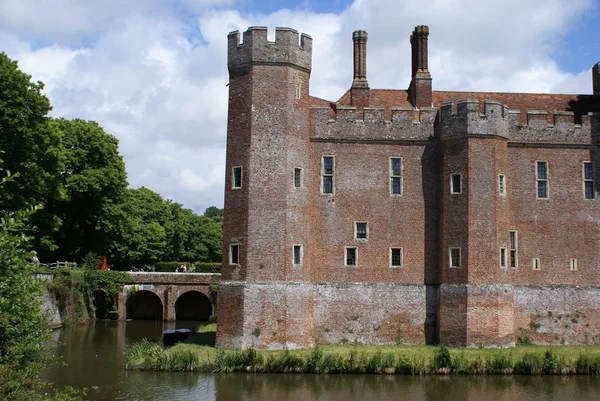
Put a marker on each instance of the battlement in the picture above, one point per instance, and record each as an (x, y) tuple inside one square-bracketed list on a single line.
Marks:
[(469, 119), (287, 49)]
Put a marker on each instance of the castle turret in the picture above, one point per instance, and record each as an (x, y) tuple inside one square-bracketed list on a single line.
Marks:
[(360, 87), (420, 85), (263, 231)]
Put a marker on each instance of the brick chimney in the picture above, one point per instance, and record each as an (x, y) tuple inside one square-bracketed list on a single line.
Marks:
[(420, 85), (360, 87), (596, 79)]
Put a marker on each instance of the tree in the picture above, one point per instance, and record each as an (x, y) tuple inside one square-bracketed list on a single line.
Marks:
[(32, 148), (214, 213)]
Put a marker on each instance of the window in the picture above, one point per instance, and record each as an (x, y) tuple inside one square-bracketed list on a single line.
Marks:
[(536, 264), (455, 183), (236, 177), (361, 230), (541, 173), (327, 175), (395, 257), (573, 264), (513, 250), (297, 177), (503, 258), (351, 257), (297, 92), (454, 257), (588, 180), (234, 250), (298, 254), (502, 185), (395, 175)]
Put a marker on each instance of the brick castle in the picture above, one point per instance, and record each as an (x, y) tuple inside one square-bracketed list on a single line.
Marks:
[(414, 216)]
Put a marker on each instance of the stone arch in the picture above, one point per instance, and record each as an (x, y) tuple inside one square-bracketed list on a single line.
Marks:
[(144, 305), (193, 305), (100, 304)]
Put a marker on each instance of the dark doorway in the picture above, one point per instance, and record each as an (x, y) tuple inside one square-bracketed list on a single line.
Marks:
[(144, 305), (100, 304), (193, 305)]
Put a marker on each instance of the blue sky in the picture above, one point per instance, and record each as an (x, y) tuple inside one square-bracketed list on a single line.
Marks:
[(153, 73)]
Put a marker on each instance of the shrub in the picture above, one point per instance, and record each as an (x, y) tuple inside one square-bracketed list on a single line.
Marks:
[(442, 358)]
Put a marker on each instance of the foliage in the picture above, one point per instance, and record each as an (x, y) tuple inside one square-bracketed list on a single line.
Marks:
[(109, 281), (214, 213), (442, 358)]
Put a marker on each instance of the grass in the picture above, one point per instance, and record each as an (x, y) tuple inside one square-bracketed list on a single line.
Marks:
[(197, 353)]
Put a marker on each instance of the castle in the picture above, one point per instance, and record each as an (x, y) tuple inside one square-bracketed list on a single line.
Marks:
[(413, 216)]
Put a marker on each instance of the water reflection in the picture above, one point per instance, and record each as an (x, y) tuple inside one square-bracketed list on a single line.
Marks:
[(94, 355)]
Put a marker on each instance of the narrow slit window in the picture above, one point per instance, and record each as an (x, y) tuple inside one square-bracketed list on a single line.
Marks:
[(395, 257), (234, 250), (537, 265), (503, 258), (327, 175), (502, 185), (542, 179), (298, 254), (351, 257), (396, 176), (456, 183), (297, 177), (454, 257), (573, 264), (298, 92), (361, 230), (588, 180), (513, 249), (236, 177)]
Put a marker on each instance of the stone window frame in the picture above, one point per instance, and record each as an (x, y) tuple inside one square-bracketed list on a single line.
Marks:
[(586, 181), (503, 258), (392, 265), (332, 175), (514, 249), (234, 256), (573, 264), (453, 249), (536, 264), (346, 249), (366, 231), (298, 92), (396, 176), (300, 256), (460, 182), (539, 180), (234, 183), (298, 177), (502, 185)]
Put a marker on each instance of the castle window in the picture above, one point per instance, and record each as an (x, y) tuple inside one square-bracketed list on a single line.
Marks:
[(234, 250), (297, 177), (573, 264), (542, 179), (537, 265), (351, 257), (456, 183), (298, 254), (327, 175), (513, 249), (361, 230), (395, 257), (236, 177), (588, 180), (396, 175), (454, 257), (502, 184), (297, 92), (503, 258)]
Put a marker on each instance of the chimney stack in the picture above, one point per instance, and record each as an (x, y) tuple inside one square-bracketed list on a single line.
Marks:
[(420, 85), (596, 79), (360, 87)]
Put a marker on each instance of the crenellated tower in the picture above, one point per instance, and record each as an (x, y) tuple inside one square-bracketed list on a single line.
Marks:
[(265, 202)]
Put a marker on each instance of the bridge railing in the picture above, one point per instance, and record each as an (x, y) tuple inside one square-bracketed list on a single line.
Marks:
[(58, 265)]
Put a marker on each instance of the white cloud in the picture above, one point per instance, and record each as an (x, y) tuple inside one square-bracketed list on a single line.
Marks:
[(155, 75)]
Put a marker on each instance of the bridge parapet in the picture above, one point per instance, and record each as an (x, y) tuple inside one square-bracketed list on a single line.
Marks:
[(175, 278)]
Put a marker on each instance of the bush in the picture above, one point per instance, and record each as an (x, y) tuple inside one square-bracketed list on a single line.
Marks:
[(441, 358)]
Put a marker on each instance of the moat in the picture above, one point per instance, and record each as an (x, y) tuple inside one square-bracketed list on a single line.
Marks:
[(94, 358)]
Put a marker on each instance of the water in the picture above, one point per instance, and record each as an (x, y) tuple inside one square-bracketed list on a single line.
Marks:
[(94, 358)]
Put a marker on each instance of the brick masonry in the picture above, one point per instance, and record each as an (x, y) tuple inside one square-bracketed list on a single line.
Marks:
[(275, 127)]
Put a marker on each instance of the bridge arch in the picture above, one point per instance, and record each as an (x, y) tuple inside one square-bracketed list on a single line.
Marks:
[(100, 304), (144, 305), (193, 305)]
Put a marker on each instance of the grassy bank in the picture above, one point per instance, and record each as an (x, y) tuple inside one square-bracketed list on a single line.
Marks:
[(198, 354)]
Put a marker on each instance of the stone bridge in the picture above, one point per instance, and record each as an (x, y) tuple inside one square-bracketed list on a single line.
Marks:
[(166, 296)]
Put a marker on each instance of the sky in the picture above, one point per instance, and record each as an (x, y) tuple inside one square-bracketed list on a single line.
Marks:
[(153, 73)]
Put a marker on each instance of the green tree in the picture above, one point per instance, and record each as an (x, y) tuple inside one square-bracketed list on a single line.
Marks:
[(214, 213), (31, 143)]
